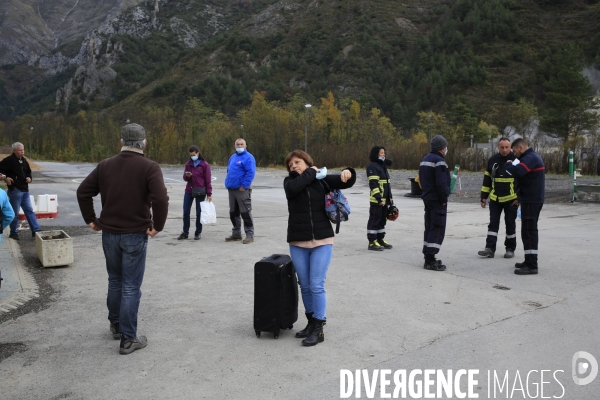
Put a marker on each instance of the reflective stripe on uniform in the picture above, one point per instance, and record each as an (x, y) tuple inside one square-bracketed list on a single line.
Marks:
[(530, 251), (373, 177), (511, 236), (504, 199), (490, 233), (437, 246), (485, 189), (433, 165), (371, 231)]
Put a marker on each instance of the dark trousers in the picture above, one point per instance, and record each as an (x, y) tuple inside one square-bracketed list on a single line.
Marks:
[(435, 228), (530, 213), (188, 199), (510, 217), (377, 221)]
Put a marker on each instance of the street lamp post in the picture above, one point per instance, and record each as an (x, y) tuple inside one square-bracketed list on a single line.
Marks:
[(29, 141), (306, 108), (429, 126)]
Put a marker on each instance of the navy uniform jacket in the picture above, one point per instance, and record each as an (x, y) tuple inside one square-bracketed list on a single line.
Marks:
[(434, 177), (531, 173)]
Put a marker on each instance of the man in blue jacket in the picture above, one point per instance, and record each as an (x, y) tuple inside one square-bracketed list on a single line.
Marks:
[(6, 211), (434, 177), (530, 170), (240, 174)]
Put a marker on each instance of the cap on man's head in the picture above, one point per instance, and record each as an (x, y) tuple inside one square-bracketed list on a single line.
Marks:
[(438, 143), (133, 133)]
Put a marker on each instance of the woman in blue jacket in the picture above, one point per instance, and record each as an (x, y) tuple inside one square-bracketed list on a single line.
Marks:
[(197, 175)]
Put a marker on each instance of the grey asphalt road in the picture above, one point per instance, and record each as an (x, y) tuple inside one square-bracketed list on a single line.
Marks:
[(385, 312)]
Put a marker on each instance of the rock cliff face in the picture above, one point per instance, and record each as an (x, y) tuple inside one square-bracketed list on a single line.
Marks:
[(99, 51), (33, 28)]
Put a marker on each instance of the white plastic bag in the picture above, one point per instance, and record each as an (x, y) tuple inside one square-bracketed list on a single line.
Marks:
[(208, 216)]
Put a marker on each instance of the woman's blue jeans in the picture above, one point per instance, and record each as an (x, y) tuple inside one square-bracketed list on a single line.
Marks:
[(311, 267), (188, 199)]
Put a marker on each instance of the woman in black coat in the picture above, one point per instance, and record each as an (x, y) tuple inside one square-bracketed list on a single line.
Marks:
[(310, 235)]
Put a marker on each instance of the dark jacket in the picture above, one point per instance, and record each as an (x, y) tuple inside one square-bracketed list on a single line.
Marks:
[(531, 174), (200, 176), (129, 185), (18, 172), (434, 177), (498, 184), (306, 204), (379, 177)]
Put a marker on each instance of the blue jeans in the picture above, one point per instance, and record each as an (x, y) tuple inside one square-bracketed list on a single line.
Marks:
[(125, 263), (18, 200), (311, 267), (188, 199)]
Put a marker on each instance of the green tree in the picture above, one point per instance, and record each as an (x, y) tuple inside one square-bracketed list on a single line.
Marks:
[(523, 116), (568, 109)]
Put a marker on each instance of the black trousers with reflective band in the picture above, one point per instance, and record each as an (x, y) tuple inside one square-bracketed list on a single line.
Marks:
[(435, 228), (510, 217), (530, 213), (377, 221)]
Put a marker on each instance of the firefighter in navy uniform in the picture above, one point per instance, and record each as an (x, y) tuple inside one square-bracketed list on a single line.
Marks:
[(529, 169), (499, 187), (434, 177), (380, 198)]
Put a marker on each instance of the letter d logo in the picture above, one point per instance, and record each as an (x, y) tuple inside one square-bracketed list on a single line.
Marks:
[(581, 367)]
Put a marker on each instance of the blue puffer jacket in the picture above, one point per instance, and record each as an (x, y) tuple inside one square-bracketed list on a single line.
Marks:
[(240, 170), (532, 179), (434, 177)]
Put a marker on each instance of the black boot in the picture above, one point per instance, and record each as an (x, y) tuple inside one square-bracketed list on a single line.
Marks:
[(317, 335), (309, 327)]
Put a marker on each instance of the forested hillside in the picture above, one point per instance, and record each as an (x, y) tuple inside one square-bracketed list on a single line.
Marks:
[(471, 66)]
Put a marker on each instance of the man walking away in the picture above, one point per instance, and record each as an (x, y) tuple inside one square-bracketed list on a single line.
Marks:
[(240, 174), (529, 169), (499, 187), (434, 177), (18, 177), (130, 186)]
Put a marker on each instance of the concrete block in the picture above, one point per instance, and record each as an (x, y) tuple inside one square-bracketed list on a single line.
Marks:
[(54, 248), (589, 192)]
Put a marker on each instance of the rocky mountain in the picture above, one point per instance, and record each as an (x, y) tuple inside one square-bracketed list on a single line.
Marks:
[(30, 29), (399, 56)]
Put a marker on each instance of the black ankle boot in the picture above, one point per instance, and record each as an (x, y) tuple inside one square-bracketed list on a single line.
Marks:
[(309, 327), (317, 335)]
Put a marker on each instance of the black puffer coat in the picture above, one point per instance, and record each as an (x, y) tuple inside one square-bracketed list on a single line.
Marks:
[(306, 204)]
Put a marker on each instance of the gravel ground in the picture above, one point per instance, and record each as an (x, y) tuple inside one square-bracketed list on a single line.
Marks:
[(468, 188)]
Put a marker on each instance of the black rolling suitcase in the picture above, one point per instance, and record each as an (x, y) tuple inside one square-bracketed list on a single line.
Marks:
[(275, 294)]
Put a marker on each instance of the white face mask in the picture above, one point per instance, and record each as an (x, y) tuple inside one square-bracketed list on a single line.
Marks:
[(195, 158), (446, 152), (382, 158)]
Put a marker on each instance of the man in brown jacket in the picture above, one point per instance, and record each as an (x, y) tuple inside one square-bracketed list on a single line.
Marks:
[(129, 185)]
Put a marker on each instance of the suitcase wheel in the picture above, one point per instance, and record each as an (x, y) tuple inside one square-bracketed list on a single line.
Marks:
[(257, 334), (275, 335)]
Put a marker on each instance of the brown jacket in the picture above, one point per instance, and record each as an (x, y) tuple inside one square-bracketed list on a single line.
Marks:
[(129, 185)]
